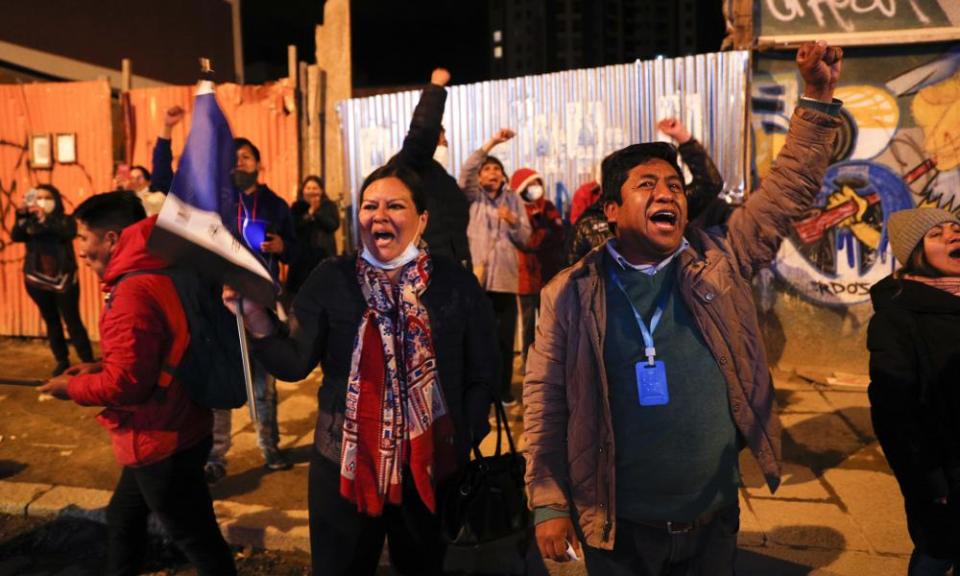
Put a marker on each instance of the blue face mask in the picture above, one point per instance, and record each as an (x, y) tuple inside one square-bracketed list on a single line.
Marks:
[(408, 255)]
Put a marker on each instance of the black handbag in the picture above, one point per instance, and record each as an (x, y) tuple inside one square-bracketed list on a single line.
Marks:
[(484, 518)]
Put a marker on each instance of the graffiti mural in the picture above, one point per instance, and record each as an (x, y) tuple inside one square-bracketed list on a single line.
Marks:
[(899, 147)]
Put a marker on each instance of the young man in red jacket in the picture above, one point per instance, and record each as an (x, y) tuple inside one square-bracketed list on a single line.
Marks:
[(160, 436)]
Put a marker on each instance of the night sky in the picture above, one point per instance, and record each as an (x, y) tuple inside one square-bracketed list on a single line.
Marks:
[(395, 42)]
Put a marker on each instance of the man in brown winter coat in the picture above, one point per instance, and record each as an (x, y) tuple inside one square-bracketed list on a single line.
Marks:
[(648, 372)]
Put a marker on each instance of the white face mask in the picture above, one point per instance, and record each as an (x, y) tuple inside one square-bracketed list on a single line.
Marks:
[(48, 204), (442, 156), (408, 255), (534, 192)]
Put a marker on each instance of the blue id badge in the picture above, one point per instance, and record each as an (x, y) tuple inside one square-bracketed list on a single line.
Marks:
[(652, 384)]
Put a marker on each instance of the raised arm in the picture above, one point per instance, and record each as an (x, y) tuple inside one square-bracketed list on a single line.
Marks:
[(470, 171), (162, 174), (707, 182), (421, 139), (756, 229)]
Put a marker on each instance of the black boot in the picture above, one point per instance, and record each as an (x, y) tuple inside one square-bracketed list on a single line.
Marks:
[(62, 366)]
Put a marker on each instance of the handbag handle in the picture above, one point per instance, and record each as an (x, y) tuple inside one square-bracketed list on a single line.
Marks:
[(503, 427)]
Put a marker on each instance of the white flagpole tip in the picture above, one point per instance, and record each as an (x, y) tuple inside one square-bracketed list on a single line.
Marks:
[(205, 87)]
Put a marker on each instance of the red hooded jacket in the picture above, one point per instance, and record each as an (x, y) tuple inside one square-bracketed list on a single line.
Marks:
[(142, 327)]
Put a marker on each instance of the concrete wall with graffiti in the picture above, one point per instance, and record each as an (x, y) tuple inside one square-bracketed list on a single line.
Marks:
[(899, 147)]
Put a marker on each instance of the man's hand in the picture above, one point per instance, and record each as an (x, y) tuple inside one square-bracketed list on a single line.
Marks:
[(552, 537), (820, 66), (38, 212), (273, 244), (675, 129), (85, 368), (440, 77), (56, 387), (501, 136), (173, 117), (506, 215)]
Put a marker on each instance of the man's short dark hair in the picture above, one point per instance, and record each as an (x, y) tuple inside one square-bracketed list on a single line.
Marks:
[(397, 169), (110, 211), (239, 143), (143, 170), (494, 160), (616, 166)]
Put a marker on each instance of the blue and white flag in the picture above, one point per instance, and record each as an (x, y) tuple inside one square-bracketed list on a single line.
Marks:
[(193, 229)]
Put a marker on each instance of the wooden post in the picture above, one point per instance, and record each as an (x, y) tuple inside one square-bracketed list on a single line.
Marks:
[(292, 71), (126, 75)]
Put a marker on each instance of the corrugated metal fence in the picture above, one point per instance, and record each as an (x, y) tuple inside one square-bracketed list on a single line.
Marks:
[(566, 122)]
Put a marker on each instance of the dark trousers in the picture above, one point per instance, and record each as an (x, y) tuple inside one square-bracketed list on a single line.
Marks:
[(345, 542), (935, 531), (529, 303), (52, 307), (642, 550), (175, 490), (505, 309)]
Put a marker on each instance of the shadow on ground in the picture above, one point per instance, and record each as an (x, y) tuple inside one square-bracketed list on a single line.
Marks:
[(791, 551)]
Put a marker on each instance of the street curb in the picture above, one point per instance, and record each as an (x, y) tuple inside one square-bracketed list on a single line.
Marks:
[(241, 524)]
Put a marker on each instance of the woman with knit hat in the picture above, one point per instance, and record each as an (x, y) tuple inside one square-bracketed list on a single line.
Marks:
[(914, 342), (542, 256)]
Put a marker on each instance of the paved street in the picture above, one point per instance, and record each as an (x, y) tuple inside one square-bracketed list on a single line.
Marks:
[(837, 512)]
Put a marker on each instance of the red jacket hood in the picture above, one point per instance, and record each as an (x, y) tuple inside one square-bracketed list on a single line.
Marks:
[(131, 253)]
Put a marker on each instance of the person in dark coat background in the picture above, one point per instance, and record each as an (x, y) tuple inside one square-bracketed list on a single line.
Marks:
[(50, 272), (914, 342), (446, 232), (315, 219)]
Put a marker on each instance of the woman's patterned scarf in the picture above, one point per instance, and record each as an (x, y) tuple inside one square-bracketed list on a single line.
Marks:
[(949, 284), (396, 416)]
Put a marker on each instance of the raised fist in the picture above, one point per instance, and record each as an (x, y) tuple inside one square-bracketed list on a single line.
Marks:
[(502, 135), (440, 77), (675, 129), (173, 116), (820, 66)]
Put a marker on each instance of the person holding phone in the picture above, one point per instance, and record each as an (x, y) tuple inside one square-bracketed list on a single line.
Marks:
[(50, 271), (265, 224)]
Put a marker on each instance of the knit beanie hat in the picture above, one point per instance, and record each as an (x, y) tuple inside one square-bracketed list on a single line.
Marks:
[(906, 228), (523, 178)]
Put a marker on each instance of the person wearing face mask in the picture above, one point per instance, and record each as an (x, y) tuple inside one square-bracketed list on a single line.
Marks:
[(392, 322), (50, 272), (264, 223), (542, 256), (498, 226), (914, 368), (315, 218), (425, 150)]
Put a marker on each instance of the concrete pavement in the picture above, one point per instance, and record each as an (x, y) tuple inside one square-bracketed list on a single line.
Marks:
[(838, 511)]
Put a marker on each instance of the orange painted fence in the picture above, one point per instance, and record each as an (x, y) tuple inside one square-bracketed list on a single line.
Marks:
[(264, 114), (82, 108)]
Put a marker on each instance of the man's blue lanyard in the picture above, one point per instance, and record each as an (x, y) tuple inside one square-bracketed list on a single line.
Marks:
[(649, 350)]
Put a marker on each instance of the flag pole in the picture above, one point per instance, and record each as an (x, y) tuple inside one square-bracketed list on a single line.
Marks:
[(206, 73), (247, 372)]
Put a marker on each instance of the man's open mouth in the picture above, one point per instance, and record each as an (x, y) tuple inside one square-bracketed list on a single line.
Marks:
[(664, 218), (955, 253)]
